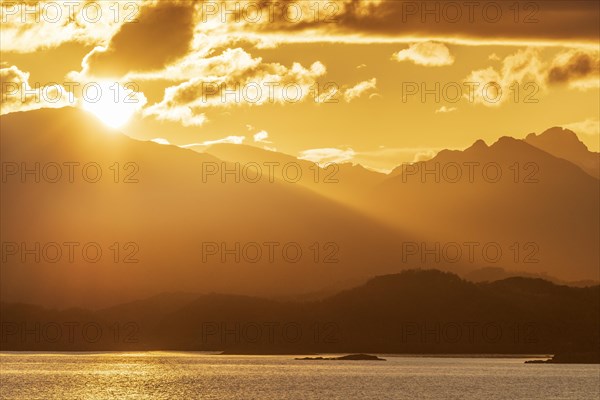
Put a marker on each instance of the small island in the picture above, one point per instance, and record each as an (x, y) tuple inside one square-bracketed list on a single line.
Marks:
[(570, 358), (350, 357)]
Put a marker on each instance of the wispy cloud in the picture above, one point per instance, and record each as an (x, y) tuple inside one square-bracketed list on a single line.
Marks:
[(359, 89), (261, 137), (429, 54), (590, 126), (444, 110), (327, 155), (228, 139)]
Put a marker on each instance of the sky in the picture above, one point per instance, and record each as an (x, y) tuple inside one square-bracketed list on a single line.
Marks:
[(373, 82)]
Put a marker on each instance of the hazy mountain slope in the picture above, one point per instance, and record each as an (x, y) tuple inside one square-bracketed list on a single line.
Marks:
[(343, 182), (564, 143), (160, 212), (509, 194), (541, 211), (159, 204)]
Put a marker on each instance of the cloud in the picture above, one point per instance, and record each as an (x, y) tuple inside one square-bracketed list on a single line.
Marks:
[(429, 54), (186, 115), (206, 64), (444, 109), (234, 78), (329, 94), (162, 34), (484, 21), (378, 160), (42, 24), (19, 95), (359, 89), (424, 155), (228, 139), (382, 158), (576, 68), (163, 27), (161, 141), (261, 137), (491, 87), (108, 100), (590, 126), (327, 155)]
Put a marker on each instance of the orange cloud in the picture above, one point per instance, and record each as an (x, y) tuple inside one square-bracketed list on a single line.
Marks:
[(18, 95), (30, 26), (148, 44), (576, 68), (429, 54), (359, 89), (242, 80)]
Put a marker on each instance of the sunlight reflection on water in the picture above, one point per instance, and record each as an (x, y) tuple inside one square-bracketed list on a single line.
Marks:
[(170, 375)]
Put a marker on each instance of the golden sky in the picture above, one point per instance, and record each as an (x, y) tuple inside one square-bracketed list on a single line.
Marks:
[(368, 81)]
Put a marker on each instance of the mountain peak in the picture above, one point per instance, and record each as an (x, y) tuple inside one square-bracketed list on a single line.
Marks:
[(509, 145), (565, 144), (478, 145), (506, 141), (557, 136)]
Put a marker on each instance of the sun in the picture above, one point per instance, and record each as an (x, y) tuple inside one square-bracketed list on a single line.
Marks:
[(111, 102)]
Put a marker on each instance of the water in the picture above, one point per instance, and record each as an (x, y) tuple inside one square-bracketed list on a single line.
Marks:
[(167, 375)]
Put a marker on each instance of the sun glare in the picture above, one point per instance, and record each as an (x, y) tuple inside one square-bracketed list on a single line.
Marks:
[(112, 103)]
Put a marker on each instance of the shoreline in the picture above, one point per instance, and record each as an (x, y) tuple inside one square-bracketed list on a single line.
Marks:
[(213, 353)]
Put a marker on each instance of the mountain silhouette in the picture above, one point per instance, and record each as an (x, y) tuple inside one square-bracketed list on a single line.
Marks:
[(156, 203), (564, 143), (345, 182), (415, 311), (168, 212), (527, 198)]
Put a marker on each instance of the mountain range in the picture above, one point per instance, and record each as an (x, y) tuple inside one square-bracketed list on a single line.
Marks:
[(190, 226), (415, 311)]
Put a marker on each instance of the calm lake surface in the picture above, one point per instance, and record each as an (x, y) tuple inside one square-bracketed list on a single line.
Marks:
[(170, 375)]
